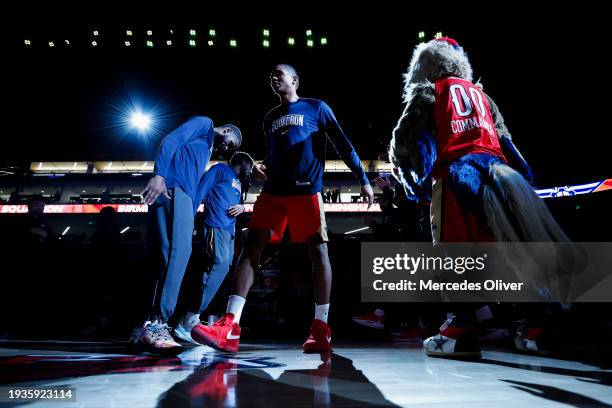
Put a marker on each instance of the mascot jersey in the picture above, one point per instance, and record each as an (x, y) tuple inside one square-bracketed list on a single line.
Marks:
[(464, 123)]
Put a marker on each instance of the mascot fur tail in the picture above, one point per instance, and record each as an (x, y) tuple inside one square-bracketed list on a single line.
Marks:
[(541, 253)]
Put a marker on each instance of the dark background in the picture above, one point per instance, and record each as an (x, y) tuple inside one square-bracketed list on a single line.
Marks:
[(540, 66)]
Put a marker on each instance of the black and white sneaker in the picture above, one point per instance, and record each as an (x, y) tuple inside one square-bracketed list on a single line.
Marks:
[(456, 339)]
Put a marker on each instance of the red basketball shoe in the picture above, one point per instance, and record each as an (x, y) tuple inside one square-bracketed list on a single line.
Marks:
[(320, 338), (223, 335)]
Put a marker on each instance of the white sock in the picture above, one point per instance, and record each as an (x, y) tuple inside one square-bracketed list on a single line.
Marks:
[(321, 312), (379, 312), (235, 304), (191, 319)]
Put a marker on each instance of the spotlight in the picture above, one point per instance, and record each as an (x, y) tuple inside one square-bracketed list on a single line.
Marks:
[(140, 121)]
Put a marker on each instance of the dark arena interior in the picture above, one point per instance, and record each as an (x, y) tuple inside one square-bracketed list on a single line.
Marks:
[(90, 99)]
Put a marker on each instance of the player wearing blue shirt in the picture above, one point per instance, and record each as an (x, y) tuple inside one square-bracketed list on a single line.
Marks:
[(296, 133), (221, 187), (173, 195)]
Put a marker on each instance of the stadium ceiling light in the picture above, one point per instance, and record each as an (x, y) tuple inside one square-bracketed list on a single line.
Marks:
[(323, 41), (140, 120), (310, 43), (291, 41), (96, 33), (211, 43), (212, 32), (421, 35), (94, 43), (149, 44), (439, 34), (149, 32), (308, 33), (67, 42), (168, 42), (125, 229), (127, 43), (128, 33), (51, 44), (192, 33), (192, 43), (233, 43), (266, 32), (27, 42), (67, 229), (266, 43)]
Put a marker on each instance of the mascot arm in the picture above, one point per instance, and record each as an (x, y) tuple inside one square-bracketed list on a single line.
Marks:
[(413, 148), (511, 153)]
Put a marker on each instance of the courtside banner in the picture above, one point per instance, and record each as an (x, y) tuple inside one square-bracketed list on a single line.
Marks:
[(486, 272)]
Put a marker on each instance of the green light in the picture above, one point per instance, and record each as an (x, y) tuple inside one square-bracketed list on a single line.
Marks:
[(266, 43), (323, 41), (233, 43), (149, 32), (421, 35), (310, 43), (192, 33), (291, 41), (266, 33), (212, 32), (128, 33), (127, 43), (438, 34), (211, 43), (192, 43), (149, 44), (308, 33)]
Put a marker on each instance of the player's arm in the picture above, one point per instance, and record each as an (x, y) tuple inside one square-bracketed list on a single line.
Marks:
[(511, 153), (345, 149), (259, 169), (413, 148), (208, 181)]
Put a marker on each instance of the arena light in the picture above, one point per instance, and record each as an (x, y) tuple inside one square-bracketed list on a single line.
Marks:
[(212, 32), (310, 43), (266, 32), (27, 42), (140, 121), (168, 42), (438, 34), (266, 44), (308, 33), (149, 33), (421, 35), (94, 43), (291, 41), (51, 44), (233, 43), (357, 230), (192, 33), (96, 33), (66, 231), (124, 230), (67, 42), (211, 43), (128, 44), (150, 44), (323, 41), (128, 33), (192, 43)]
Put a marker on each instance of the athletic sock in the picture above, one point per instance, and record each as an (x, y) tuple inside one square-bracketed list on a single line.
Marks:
[(321, 312), (191, 319), (235, 304)]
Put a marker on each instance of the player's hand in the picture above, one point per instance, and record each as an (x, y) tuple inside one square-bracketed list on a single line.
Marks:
[(366, 191), (259, 172), (235, 210), (155, 187), (382, 182)]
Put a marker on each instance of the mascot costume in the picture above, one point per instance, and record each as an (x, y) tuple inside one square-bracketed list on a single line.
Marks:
[(452, 148)]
